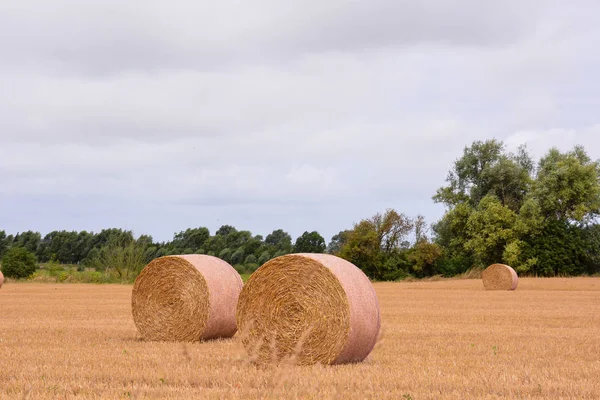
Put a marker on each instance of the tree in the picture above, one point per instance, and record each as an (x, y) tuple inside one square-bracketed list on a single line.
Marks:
[(126, 259), (28, 240), (420, 229), (225, 254), (238, 256), (424, 257), (337, 242), (264, 257), (280, 240), (485, 169), (225, 230), (251, 259), (3, 243), (194, 238), (567, 185), (375, 244), (18, 263), (311, 242), (489, 230)]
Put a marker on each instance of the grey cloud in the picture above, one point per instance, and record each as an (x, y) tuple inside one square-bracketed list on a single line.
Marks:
[(112, 36), (269, 116)]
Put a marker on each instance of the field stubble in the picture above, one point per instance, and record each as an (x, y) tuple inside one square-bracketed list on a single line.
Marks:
[(447, 339)]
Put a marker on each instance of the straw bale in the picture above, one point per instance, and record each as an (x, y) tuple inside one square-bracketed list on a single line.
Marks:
[(186, 298), (308, 309), (499, 277)]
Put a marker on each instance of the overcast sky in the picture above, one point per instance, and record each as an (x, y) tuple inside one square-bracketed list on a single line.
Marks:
[(266, 114)]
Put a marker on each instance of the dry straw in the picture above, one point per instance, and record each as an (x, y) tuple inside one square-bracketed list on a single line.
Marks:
[(186, 298), (499, 277), (308, 309)]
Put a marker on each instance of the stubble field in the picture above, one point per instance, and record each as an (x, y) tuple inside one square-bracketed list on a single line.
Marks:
[(446, 339)]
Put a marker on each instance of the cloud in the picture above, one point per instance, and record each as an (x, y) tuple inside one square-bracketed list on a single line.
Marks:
[(270, 115), (114, 36)]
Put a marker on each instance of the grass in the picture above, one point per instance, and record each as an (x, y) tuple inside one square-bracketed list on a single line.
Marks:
[(445, 339)]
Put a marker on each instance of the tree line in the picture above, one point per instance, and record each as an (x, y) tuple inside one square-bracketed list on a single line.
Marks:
[(539, 217)]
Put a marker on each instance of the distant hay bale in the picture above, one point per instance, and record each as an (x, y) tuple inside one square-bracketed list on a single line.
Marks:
[(1, 279), (186, 298), (499, 277), (308, 309)]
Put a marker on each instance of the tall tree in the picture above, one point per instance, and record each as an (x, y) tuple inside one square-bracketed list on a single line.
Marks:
[(375, 244), (280, 240), (337, 242), (310, 242), (567, 185), (485, 168)]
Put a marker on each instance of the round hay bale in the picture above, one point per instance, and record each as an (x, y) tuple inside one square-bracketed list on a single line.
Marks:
[(308, 309), (186, 298), (499, 277), (1, 279)]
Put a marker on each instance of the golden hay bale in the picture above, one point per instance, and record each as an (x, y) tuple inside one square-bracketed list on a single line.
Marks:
[(186, 298), (308, 309), (1, 279), (499, 277)]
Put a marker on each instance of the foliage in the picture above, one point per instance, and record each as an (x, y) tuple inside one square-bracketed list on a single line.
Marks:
[(375, 244), (502, 209), (310, 243), (18, 263), (337, 242), (123, 256), (539, 217)]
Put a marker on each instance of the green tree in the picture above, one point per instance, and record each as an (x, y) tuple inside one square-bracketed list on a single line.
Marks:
[(337, 242), (194, 238), (225, 230), (489, 230), (251, 259), (280, 240), (3, 243), (18, 263), (28, 240), (264, 257), (310, 242), (238, 256), (486, 169), (225, 255), (375, 244), (125, 258), (424, 258), (567, 185)]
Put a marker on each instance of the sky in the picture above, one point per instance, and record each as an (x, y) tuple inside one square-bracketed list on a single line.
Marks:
[(301, 115)]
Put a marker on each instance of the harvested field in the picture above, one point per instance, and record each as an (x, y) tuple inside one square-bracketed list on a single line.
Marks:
[(446, 339)]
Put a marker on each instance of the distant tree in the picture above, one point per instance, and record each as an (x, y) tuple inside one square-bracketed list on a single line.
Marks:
[(311, 242), (374, 245), (486, 169), (280, 240), (28, 240), (238, 256), (225, 230), (264, 257), (225, 255), (18, 263), (126, 259), (567, 186), (3, 243), (424, 257), (193, 238), (251, 259), (337, 242)]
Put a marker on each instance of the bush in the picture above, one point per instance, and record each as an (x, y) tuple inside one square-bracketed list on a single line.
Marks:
[(251, 267), (18, 263)]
